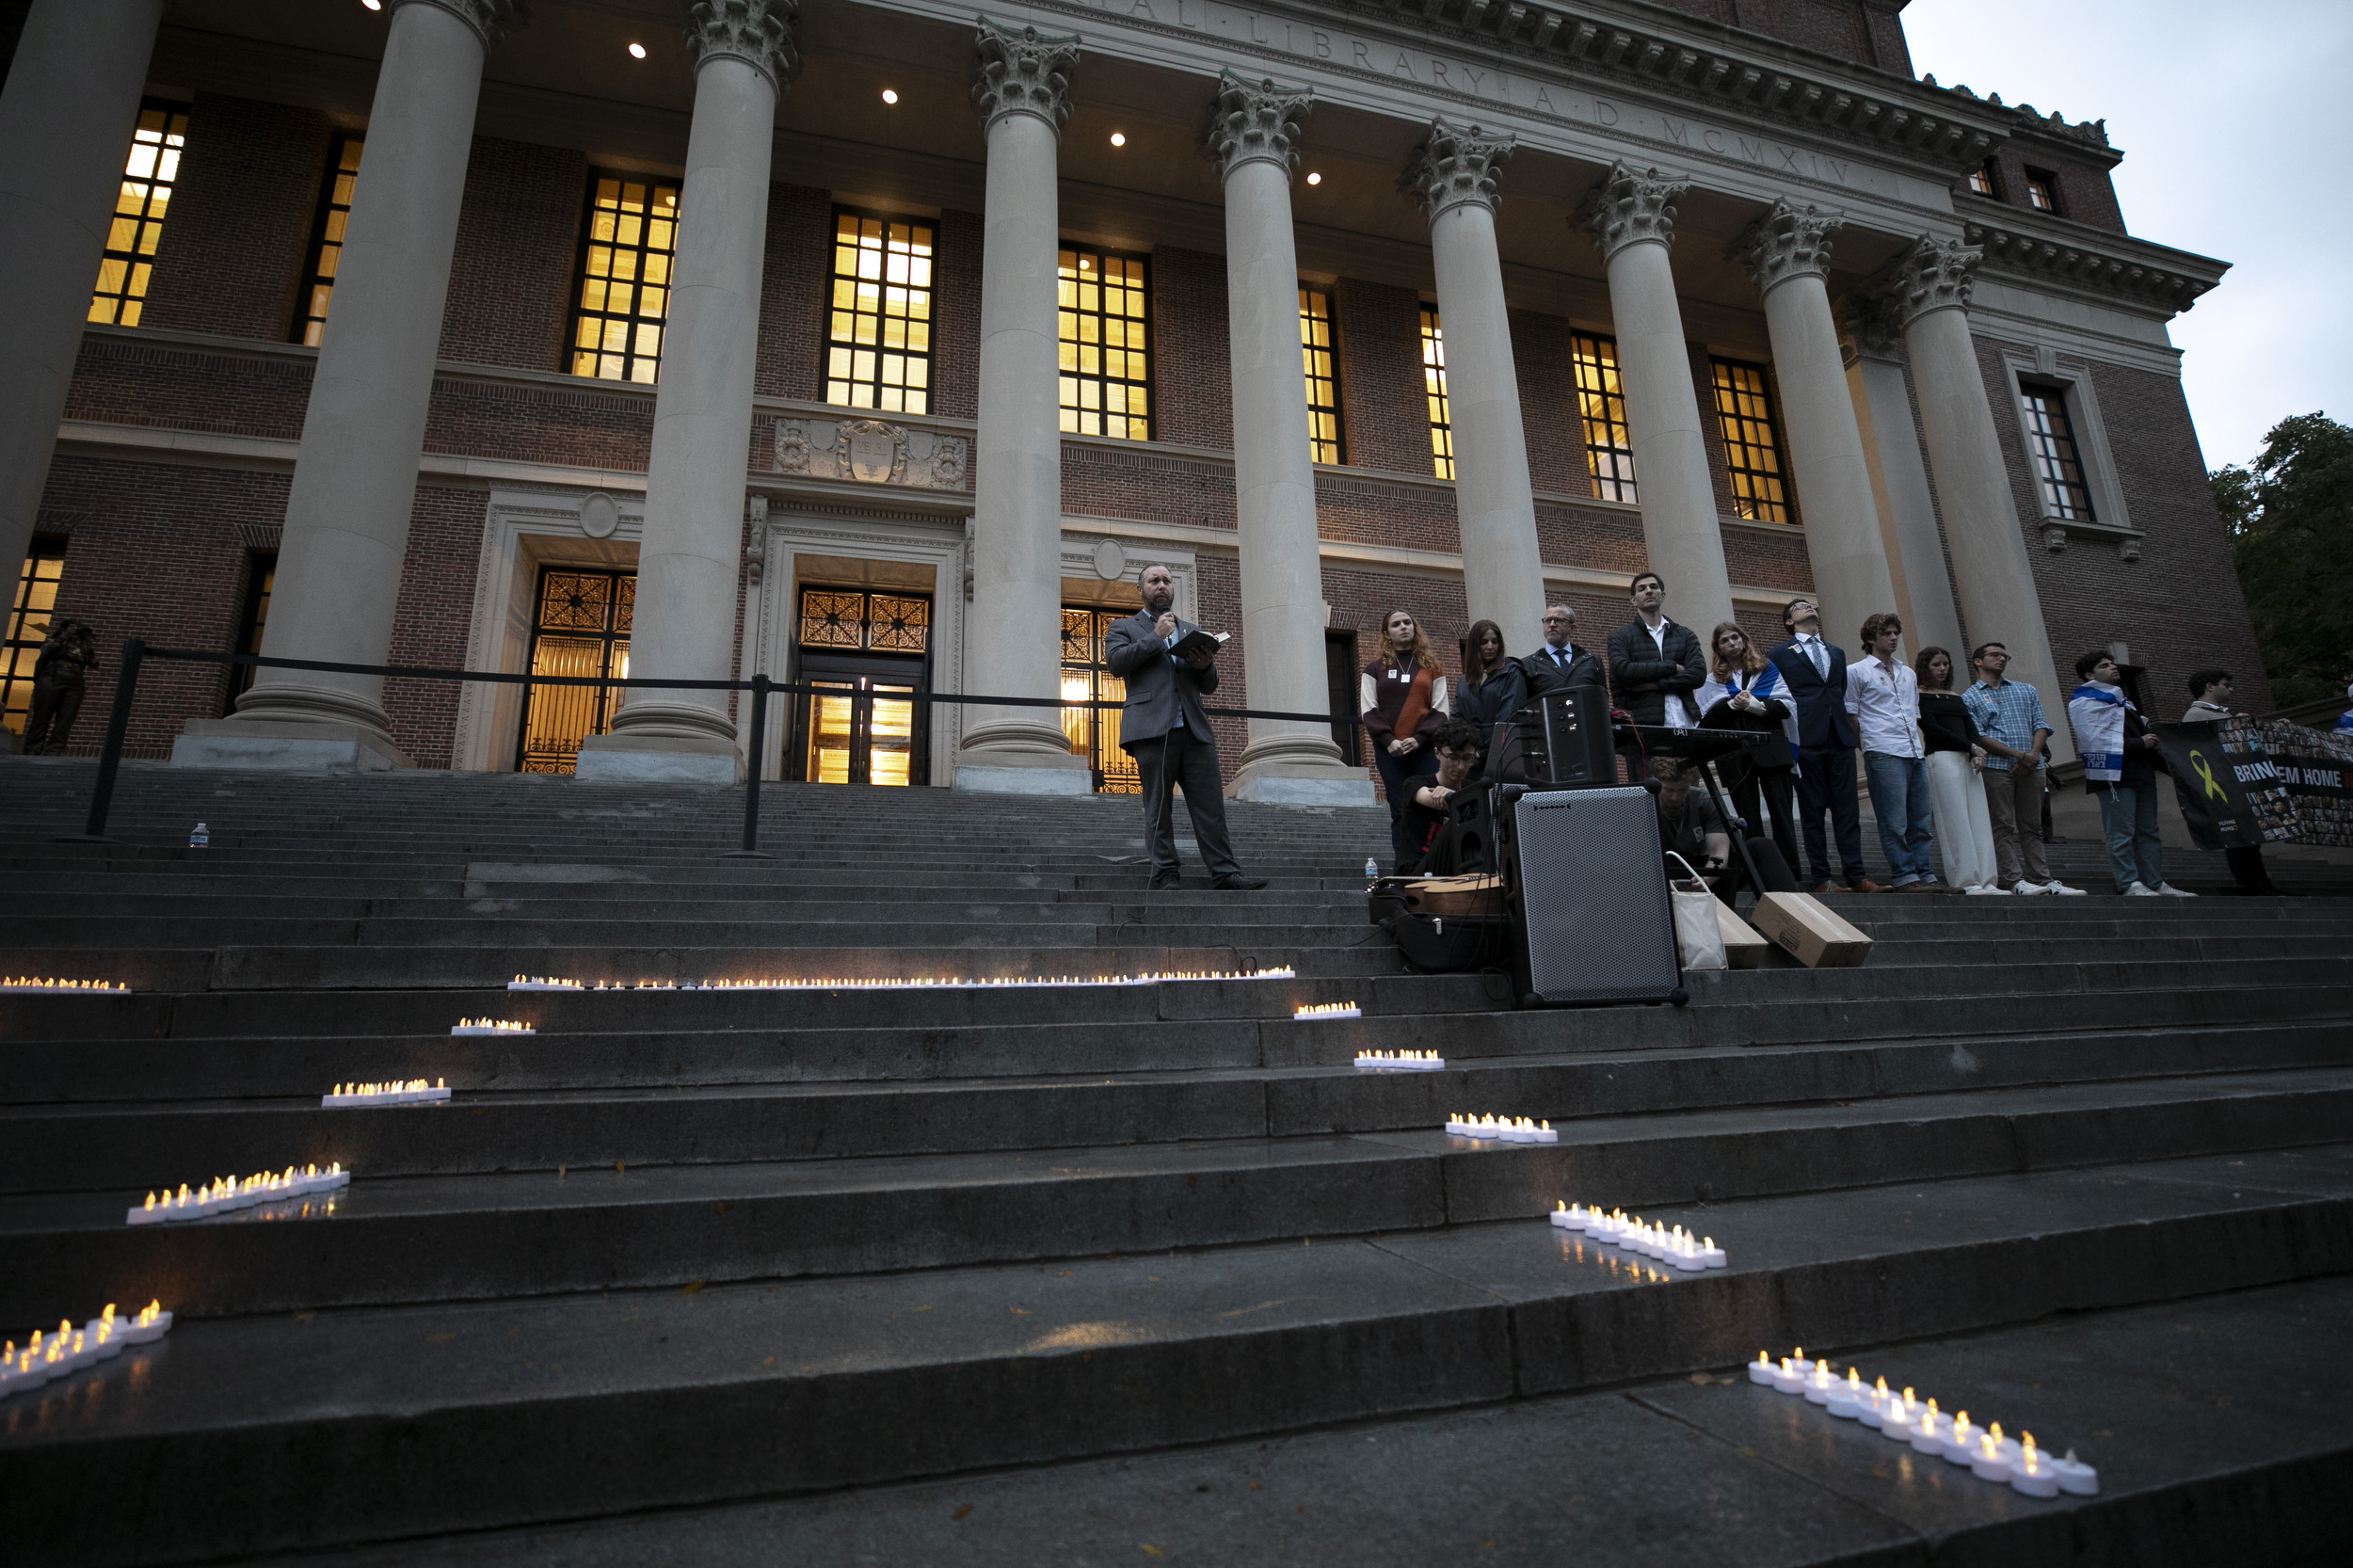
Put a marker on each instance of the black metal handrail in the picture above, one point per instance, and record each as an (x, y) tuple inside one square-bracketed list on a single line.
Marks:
[(136, 652)]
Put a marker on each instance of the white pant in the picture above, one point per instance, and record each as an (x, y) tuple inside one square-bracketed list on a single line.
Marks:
[(1964, 833)]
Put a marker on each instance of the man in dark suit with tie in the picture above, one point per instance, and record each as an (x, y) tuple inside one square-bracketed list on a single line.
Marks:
[(1560, 663), (1816, 675), (1164, 728)]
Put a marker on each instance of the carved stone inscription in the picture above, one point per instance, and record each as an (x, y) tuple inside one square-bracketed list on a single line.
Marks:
[(871, 452)]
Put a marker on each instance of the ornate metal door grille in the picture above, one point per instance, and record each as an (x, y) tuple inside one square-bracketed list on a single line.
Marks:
[(1094, 732)]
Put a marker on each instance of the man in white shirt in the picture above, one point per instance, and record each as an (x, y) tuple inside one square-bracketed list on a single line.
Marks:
[(1884, 696)]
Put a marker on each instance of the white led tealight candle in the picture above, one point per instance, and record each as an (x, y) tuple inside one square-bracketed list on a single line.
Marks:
[(1519, 1131), (151, 1324), (1928, 1431), (1684, 1253), (1761, 1370), (541, 983), (1788, 1379), (2074, 1477), (1873, 1411), (2031, 1473), (491, 1026), (1958, 1439), (1848, 1399), (1546, 1134), (1819, 1386), (1559, 1215), (1991, 1460), (105, 1332), (1900, 1416)]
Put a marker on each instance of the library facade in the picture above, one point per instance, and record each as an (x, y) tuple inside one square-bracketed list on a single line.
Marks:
[(878, 347)]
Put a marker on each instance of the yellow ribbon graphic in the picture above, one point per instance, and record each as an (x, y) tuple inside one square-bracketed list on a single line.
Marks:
[(2206, 774)]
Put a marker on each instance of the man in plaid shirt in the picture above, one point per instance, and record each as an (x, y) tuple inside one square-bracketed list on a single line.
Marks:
[(2016, 736)]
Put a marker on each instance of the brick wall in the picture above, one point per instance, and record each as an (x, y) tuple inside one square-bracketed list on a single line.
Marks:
[(435, 619), (1135, 480), (233, 248), (592, 424), (2086, 194), (957, 318), (1382, 406), (2178, 607), (1846, 30), (1193, 374), (796, 278), (123, 381), (159, 551), (1548, 416), (518, 251)]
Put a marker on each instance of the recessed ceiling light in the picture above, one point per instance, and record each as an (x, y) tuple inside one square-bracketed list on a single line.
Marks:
[(1313, 178), (891, 95), (636, 51), (372, 4), (1119, 138)]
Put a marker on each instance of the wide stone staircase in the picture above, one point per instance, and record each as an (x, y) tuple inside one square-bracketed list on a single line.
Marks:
[(1088, 1272)]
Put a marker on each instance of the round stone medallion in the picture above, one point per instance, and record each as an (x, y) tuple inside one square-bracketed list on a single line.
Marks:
[(1111, 559), (599, 515)]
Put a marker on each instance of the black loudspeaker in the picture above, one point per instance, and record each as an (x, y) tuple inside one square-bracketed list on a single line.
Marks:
[(1466, 844), (1586, 896), (1564, 739)]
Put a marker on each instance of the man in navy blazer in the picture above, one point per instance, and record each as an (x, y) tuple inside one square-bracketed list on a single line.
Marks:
[(1816, 673)]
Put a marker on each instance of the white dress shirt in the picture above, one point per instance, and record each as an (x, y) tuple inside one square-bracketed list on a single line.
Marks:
[(1675, 716), (1885, 699)]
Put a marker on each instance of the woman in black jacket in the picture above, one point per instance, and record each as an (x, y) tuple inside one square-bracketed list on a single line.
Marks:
[(1494, 686)]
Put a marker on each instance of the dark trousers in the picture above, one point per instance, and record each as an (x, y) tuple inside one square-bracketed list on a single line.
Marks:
[(1778, 791), (2247, 864), (1174, 762), (1826, 783), (52, 718), (1399, 777)]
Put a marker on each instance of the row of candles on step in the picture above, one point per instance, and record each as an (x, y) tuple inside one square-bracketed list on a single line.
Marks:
[(1989, 1455), (1503, 1129), (1401, 1062), (854, 983), (53, 985), (1675, 1247), (414, 1090), (224, 1194), (68, 1349)]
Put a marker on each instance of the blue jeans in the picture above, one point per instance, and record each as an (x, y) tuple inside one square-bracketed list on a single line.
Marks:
[(1900, 798), (2129, 813)]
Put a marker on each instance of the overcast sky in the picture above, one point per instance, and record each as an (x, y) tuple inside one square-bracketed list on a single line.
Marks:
[(2236, 122)]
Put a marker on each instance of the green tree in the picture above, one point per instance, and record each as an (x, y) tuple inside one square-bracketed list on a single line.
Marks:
[(2290, 516)]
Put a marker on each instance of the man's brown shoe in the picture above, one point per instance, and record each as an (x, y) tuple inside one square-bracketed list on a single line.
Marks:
[(1821, 888), (1919, 888), (1866, 886)]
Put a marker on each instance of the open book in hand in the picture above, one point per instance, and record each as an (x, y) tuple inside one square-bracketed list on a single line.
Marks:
[(1198, 641)]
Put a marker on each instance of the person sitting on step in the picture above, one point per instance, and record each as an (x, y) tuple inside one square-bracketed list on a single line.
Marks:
[(1456, 745)]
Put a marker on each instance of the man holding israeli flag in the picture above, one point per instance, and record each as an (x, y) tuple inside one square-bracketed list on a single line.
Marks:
[(2121, 764)]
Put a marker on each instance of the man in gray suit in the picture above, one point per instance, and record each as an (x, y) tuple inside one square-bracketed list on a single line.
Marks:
[(1164, 728)]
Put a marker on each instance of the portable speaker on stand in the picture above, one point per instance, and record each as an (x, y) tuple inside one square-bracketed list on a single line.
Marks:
[(1585, 896), (1563, 739)]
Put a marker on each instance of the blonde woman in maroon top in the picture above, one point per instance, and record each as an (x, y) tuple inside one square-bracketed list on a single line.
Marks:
[(1403, 701)]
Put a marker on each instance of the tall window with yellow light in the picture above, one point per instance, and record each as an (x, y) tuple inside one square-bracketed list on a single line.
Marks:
[(1322, 375), (1105, 322), (150, 173), (878, 332), (1434, 391), (624, 292)]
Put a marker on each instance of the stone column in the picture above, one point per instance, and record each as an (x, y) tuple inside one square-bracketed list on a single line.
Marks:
[(66, 119), (1899, 485), (355, 480), (1926, 292), (1786, 253), (690, 561), (1013, 646), (1453, 178), (1253, 136), (1630, 217)]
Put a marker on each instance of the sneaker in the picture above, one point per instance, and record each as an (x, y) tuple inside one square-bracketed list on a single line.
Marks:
[(2061, 889), (2172, 891), (1989, 890), (2025, 886), (2140, 890)]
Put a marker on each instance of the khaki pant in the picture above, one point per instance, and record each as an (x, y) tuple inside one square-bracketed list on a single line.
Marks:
[(2013, 800)]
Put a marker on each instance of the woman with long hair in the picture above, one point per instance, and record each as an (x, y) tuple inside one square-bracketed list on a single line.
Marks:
[(1745, 693), (1495, 686), (1964, 828), (1402, 699)]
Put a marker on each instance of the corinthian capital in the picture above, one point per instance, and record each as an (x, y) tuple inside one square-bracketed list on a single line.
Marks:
[(758, 32), (1933, 275), (488, 18), (1256, 122), (1023, 73), (1628, 208), (1456, 167), (1787, 242)]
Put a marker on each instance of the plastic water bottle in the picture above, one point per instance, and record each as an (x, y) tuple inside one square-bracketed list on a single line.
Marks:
[(1373, 868), (201, 839)]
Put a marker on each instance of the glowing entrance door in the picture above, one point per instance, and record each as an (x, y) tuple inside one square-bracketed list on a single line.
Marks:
[(1094, 732), (582, 629), (865, 654)]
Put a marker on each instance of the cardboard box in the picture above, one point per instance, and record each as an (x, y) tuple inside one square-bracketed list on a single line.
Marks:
[(1455, 895), (1743, 948), (1801, 924)]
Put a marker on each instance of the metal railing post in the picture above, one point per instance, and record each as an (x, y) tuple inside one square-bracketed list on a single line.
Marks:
[(757, 746), (118, 722)]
